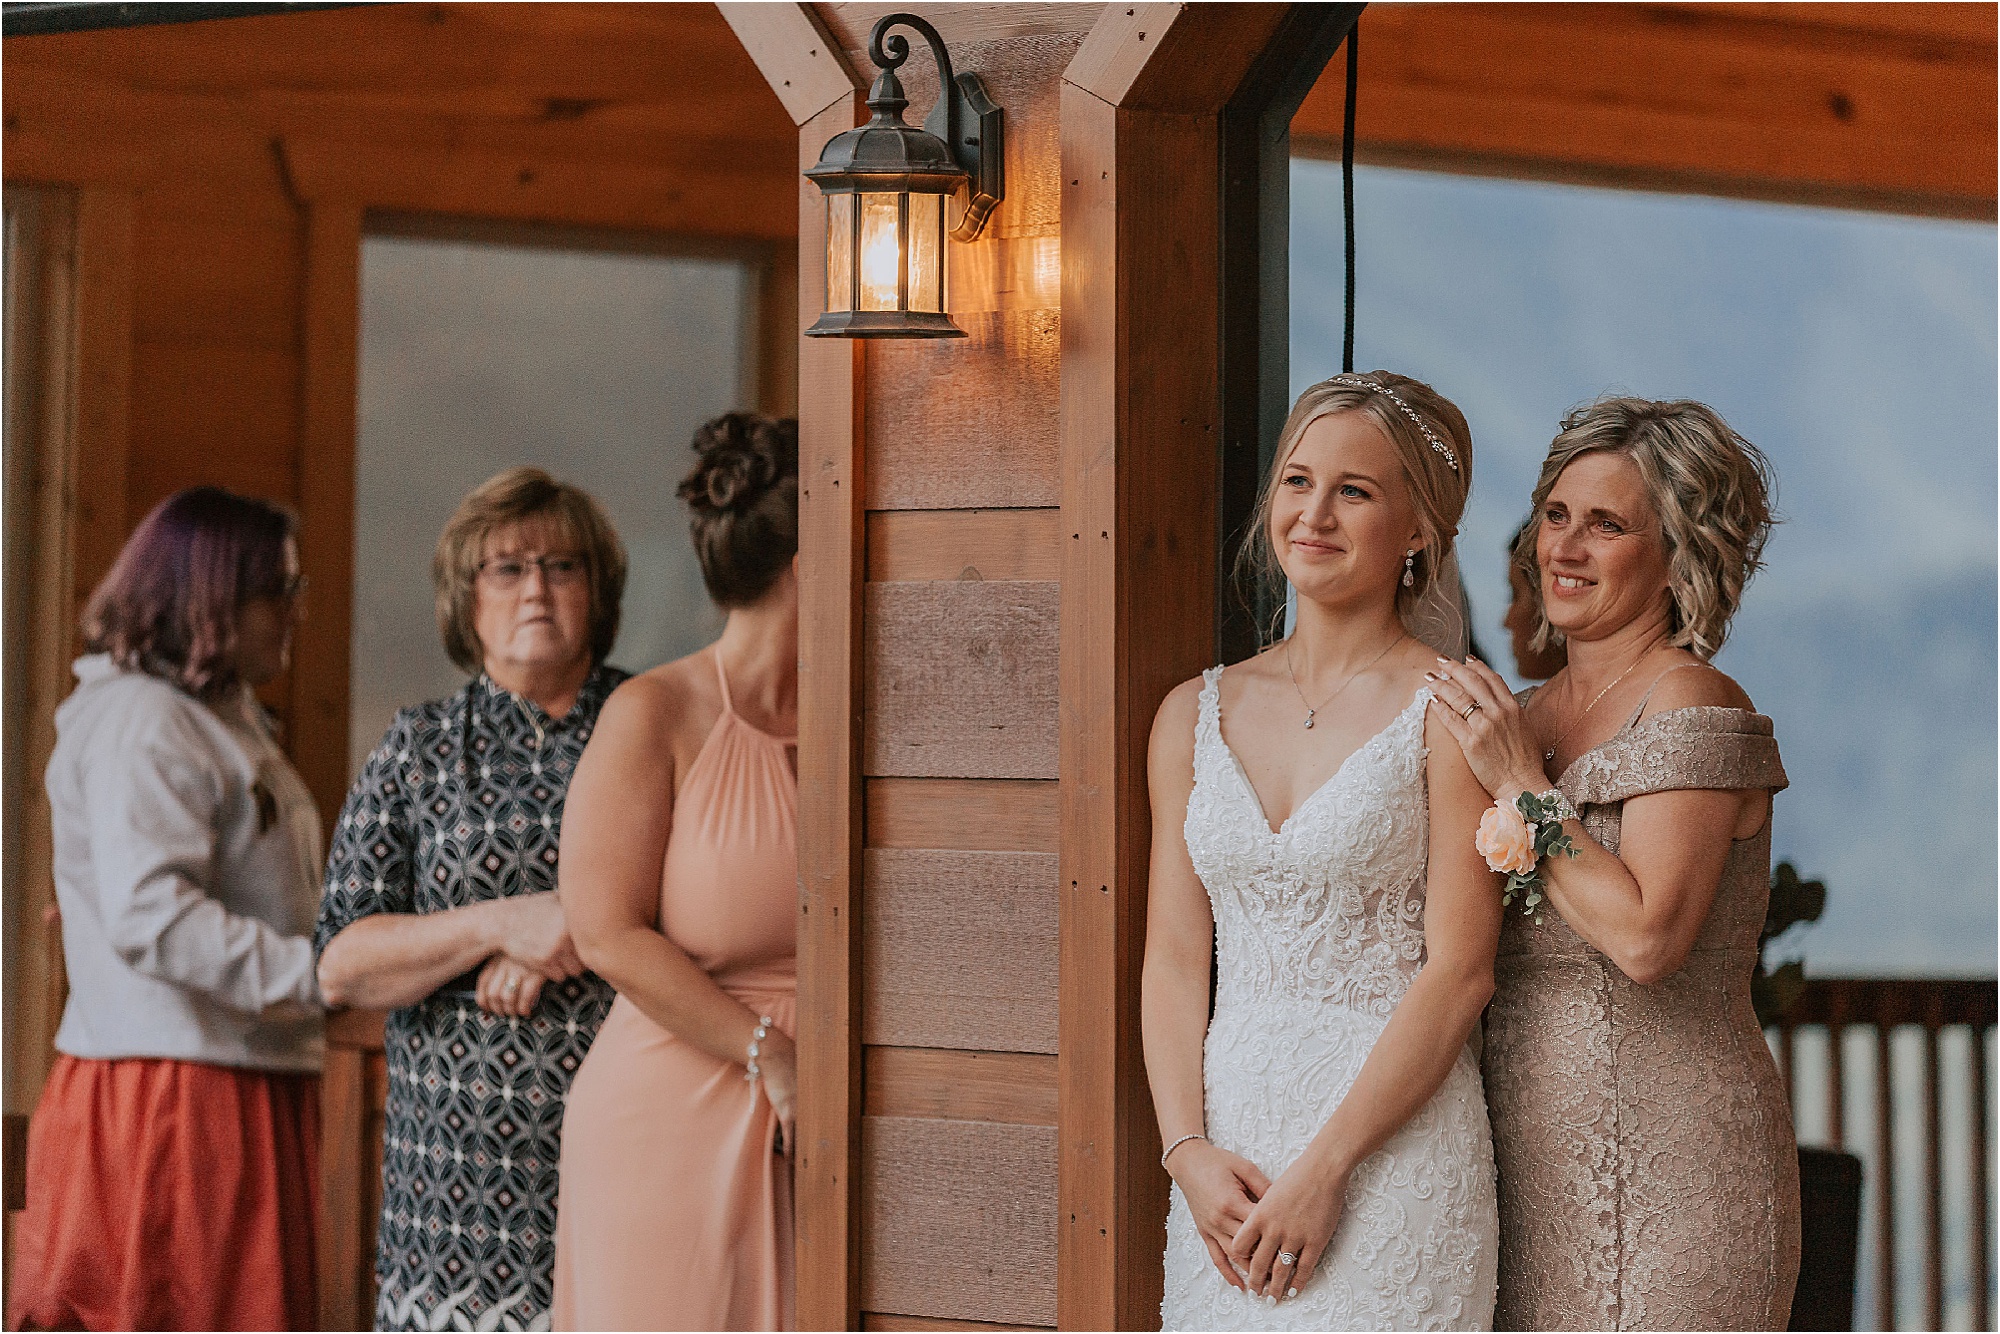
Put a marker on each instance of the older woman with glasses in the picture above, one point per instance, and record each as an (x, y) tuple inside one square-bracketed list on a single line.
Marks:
[(440, 904)]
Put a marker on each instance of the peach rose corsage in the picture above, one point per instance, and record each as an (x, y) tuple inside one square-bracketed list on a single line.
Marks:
[(1514, 837)]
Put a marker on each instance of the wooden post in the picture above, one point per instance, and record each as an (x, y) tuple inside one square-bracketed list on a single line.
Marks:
[(1142, 319), (1885, 1177), (808, 73), (330, 336)]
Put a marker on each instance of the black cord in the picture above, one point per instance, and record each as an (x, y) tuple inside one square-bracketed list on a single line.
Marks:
[(1347, 190)]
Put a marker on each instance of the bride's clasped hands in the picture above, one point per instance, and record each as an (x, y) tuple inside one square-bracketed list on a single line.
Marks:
[(1222, 1191)]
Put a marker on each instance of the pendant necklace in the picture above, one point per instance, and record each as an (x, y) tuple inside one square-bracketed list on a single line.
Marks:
[(1549, 755), (1352, 677)]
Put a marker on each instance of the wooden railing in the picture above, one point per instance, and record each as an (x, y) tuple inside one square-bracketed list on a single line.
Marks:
[(351, 1097), (1884, 1005)]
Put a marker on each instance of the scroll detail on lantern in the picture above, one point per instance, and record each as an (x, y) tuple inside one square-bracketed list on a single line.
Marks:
[(886, 184)]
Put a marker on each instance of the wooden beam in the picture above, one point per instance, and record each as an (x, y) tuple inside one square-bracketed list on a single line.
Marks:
[(330, 334), (1874, 106), (793, 51), (831, 578)]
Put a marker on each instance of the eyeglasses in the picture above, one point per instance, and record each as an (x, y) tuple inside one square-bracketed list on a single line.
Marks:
[(505, 573)]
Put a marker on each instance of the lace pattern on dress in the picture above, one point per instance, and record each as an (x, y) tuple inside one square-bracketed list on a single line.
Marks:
[(1647, 1166), (1319, 933)]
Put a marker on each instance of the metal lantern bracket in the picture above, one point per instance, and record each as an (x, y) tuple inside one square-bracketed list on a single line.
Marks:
[(966, 118)]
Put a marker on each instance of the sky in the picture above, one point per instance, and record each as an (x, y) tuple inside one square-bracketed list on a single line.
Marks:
[(596, 366), (1857, 350)]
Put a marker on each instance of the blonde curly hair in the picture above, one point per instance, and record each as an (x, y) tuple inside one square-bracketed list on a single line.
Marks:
[(1711, 489)]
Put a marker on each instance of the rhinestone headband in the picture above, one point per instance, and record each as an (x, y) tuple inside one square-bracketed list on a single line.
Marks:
[(1440, 446)]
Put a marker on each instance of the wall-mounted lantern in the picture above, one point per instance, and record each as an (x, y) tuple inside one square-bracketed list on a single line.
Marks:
[(887, 185)]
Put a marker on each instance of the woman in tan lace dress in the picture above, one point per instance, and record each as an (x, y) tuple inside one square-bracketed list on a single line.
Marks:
[(1648, 1171)]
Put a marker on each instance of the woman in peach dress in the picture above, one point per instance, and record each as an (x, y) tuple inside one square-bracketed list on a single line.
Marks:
[(680, 880)]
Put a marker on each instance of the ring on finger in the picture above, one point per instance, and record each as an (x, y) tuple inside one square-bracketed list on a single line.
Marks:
[(1287, 1258), (513, 985), (1470, 709)]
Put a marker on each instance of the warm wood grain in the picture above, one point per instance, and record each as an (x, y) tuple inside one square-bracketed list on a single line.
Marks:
[(961, 680), (346, 1230), (967, 423), (209, 282), (325, 471), (879, 1320), (831, 571), (103, 403), (47, 613), (1884, 106), (975, 814), (912, 545), (960, 1220), (960, 950), (1008, 1087)]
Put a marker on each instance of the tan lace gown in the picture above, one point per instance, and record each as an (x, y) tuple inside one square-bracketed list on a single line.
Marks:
[(1648, 1170)]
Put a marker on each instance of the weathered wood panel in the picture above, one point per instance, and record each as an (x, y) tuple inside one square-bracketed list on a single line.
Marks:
[(960, 1220), (915, 545), (960, 950), (961, 679), (975, 814), (967, 422), (1886, 106), (1009, 1087)]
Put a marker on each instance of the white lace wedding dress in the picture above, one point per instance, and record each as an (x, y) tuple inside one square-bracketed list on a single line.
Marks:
[(1319, 931)]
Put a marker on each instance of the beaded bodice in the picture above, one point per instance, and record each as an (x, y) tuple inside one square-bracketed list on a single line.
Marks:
[(1329, 907)]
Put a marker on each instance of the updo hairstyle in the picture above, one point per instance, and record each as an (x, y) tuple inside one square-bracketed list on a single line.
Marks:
[(1709, 486), (744, 496), (1437, 489)]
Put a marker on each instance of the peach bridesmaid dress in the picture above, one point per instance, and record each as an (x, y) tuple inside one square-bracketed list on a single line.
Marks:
[(673, 1211)]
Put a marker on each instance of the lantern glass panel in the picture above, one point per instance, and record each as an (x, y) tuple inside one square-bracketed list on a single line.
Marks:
[(926, 252), (840, 252), (881, 251)]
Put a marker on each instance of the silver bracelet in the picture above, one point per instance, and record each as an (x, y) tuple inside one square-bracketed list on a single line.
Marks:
[(1177, 1143), (1563, 810), (763, 1030)]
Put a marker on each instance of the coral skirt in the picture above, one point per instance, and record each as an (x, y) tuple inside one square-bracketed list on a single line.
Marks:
[(169, 1195)]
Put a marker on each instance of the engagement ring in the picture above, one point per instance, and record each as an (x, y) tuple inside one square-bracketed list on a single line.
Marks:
[(1287, 1258)]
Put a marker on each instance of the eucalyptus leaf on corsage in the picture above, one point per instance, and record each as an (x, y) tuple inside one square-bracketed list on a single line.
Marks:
[(1513, 838)]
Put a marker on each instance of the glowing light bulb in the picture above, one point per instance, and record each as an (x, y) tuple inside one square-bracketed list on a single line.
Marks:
[(881, 254)]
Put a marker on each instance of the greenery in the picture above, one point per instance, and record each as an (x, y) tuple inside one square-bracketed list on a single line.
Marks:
[(1544, 818), (1793, 901)]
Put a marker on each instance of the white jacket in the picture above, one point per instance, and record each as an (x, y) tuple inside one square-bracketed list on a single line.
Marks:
[(187, 865)]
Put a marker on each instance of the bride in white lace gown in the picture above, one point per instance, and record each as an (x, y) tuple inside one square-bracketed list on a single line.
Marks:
[(1326, 1129)]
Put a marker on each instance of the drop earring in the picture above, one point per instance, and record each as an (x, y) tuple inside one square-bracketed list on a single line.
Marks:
[(1410, 568)]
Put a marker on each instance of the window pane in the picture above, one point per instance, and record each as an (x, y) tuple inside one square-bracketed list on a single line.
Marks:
[(595, 366), (840, 252), (926, 252)]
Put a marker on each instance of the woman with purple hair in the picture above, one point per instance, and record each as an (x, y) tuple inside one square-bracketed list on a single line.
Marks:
[(173, 1160)]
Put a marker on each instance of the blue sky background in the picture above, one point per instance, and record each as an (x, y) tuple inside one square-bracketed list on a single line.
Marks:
[(1858, 351)]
